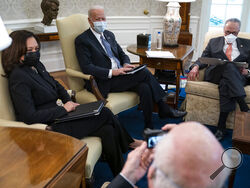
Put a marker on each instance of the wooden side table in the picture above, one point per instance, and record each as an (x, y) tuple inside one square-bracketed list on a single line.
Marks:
[(241, 137), (183, 56), (39, 158)]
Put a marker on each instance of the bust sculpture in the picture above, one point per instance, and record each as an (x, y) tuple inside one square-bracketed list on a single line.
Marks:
[(50, 10)]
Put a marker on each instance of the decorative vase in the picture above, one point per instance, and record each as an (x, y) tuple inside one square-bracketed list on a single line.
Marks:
[(171, 25)]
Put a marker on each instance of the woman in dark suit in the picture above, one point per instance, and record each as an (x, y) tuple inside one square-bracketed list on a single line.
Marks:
[(34, 94)]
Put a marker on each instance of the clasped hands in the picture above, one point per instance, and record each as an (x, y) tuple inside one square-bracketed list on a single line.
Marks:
[(123, 70)]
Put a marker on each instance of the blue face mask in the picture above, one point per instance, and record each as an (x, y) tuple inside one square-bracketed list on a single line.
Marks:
[(100, 26)]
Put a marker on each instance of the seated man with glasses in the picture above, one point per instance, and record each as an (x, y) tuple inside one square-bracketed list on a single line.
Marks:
[(228, 76)]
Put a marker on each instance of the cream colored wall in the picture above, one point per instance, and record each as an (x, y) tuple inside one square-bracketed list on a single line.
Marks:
[(30, 9), (122, 15)]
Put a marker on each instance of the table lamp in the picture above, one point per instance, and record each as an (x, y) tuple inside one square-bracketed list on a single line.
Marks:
[(172, 23), (5, 40)]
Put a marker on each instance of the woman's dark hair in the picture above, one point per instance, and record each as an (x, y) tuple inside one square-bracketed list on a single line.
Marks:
[(11, 56)]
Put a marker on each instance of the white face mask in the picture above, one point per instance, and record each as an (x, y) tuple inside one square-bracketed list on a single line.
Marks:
[(230, 38), (100, 26)]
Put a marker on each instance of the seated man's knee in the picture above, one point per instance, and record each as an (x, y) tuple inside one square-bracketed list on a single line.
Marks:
[(106, 111), (145, 72), (144, 88)]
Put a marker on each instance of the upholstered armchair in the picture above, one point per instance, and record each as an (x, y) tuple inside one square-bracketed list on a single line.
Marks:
[(202, 98), (69, 28), (7, 118)]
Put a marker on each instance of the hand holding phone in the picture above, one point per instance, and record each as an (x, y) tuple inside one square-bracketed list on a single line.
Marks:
[(153, 136)]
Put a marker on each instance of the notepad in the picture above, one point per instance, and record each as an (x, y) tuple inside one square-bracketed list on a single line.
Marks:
[(216, 61), (159, 54), (82, 111), (136, 69)]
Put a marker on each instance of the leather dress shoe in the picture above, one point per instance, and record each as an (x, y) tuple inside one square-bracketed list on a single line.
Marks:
[(219, 135), (172, 114)]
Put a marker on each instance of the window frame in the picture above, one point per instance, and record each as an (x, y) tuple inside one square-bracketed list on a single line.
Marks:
[(204, 22)]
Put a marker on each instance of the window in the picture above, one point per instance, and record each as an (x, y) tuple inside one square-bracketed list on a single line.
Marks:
[(221, 10)]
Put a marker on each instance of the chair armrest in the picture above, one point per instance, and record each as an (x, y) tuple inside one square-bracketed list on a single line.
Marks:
[(72, 94), (95, 89), (9, 123), (105, 184), (201, 74)]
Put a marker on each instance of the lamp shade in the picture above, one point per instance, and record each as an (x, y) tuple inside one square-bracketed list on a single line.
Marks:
[(5, 40)]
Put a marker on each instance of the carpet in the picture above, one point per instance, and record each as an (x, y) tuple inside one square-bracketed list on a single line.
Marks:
[(132, 120)]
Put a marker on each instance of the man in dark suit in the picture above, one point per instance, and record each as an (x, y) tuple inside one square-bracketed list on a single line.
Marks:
[(100, 55), (190, 165), (231, 80)]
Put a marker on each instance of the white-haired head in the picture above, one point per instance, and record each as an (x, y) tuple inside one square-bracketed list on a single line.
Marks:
[(186, 157), (92, 8)]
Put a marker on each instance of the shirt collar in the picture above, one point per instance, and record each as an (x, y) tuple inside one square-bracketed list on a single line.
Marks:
[(97, 35)]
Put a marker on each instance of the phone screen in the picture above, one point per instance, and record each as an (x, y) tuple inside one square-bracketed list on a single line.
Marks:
[(153, 140)]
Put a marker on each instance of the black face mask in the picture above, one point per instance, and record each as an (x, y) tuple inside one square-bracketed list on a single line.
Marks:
[(31, 58)]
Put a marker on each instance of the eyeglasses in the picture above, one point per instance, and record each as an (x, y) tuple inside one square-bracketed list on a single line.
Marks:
[(229, 32)]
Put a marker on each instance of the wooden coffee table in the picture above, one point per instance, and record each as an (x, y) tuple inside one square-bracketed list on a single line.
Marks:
[(181, 62), (39, 158), (241, 137)]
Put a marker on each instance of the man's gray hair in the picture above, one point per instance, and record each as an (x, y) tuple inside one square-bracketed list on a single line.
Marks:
[(186, 157), (235, 20), (95, 7)]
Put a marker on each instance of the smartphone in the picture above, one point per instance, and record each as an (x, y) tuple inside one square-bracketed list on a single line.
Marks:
[(153, 136)]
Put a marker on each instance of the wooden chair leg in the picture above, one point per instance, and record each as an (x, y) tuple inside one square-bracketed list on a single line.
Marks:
[(90, 182), (231, 179)]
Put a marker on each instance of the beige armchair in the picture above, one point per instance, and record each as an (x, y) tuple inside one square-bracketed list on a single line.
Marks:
[(69, 28), (202, 98), (7, 118)]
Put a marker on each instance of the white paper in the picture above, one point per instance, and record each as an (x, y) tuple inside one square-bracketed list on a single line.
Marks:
[(159, 54)]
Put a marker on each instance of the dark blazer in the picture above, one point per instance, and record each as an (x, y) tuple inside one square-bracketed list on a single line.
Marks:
[(215, 49), (94, 60), (34, 98), (34, 95)]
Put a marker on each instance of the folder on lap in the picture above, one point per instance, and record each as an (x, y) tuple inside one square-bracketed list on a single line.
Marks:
[(82, 111), (216, 61), (136, 69)]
